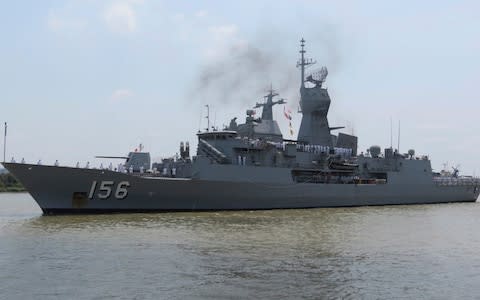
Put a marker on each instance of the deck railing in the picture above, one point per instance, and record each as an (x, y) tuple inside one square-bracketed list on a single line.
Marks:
[(456, 181)]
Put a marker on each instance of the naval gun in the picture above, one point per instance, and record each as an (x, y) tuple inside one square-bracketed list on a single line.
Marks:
[(136, 161)]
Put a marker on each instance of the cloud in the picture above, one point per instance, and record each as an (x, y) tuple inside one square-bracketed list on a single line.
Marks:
[(121, 17), (62, 24), (223, 31), (201, 13), (222, 39), (178, 18), (121, 94), (54, 22)]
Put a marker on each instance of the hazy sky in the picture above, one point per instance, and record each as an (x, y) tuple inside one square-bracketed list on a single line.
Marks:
[(85, 78)]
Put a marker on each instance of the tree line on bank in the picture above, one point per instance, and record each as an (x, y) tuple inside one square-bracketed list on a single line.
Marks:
[(8, 183)]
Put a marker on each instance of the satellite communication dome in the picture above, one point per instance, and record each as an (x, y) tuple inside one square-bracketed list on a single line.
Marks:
[(375, 151), (411, 152)]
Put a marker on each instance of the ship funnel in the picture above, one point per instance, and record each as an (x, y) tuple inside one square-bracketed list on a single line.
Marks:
[(375, 151), (182, 149)]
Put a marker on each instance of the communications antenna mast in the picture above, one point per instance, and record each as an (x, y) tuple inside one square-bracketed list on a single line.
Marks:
[(303, 63)]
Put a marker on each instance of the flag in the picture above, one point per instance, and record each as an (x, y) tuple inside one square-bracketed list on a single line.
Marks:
[(290, 128), (287, 114)]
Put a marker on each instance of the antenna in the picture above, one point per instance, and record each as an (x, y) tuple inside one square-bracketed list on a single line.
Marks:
[(214, 120), (445, 166), (5, 142), (208, 117), (391, 133), (302, 63), (398, 145), (200, 121)]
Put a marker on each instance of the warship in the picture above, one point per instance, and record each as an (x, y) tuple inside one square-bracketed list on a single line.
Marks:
[(251, 166)]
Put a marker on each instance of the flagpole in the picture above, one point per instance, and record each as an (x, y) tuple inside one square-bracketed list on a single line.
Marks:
[(5, 142)]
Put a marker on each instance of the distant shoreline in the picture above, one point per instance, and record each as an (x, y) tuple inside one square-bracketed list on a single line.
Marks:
[(9, 184)]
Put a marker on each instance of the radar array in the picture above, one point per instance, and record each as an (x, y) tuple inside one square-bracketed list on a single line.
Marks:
[(318, 76)]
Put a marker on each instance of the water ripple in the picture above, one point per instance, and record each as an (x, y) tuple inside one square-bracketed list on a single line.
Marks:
[(428, 251)]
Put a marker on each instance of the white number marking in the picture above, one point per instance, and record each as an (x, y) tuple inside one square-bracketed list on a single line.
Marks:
[(122, 190), (92, 190), (105, 186), (105, 190)]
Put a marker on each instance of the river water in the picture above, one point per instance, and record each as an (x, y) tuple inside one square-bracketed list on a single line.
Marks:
[(410, 252)]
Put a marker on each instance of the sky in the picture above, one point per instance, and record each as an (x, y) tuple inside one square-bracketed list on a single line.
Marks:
[(85, 78)]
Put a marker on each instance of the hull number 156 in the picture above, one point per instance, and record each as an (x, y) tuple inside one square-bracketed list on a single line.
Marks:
[(105, 189)]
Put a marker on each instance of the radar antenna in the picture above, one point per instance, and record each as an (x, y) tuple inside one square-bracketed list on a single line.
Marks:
[(456, 170), (318, 76)]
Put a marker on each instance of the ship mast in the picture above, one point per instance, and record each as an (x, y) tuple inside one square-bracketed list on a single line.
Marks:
[(303, 62), (267, 113), (208, 117), (5, 142)]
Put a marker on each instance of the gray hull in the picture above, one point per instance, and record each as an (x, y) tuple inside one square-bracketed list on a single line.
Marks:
[(54, 187)]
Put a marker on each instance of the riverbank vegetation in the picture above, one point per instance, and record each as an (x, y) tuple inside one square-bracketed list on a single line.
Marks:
[(8, 183)]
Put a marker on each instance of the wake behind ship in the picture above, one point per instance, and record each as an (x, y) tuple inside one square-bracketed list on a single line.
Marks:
[(251, 166)]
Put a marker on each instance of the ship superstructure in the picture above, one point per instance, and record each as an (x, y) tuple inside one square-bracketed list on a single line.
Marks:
[(252, 166)]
